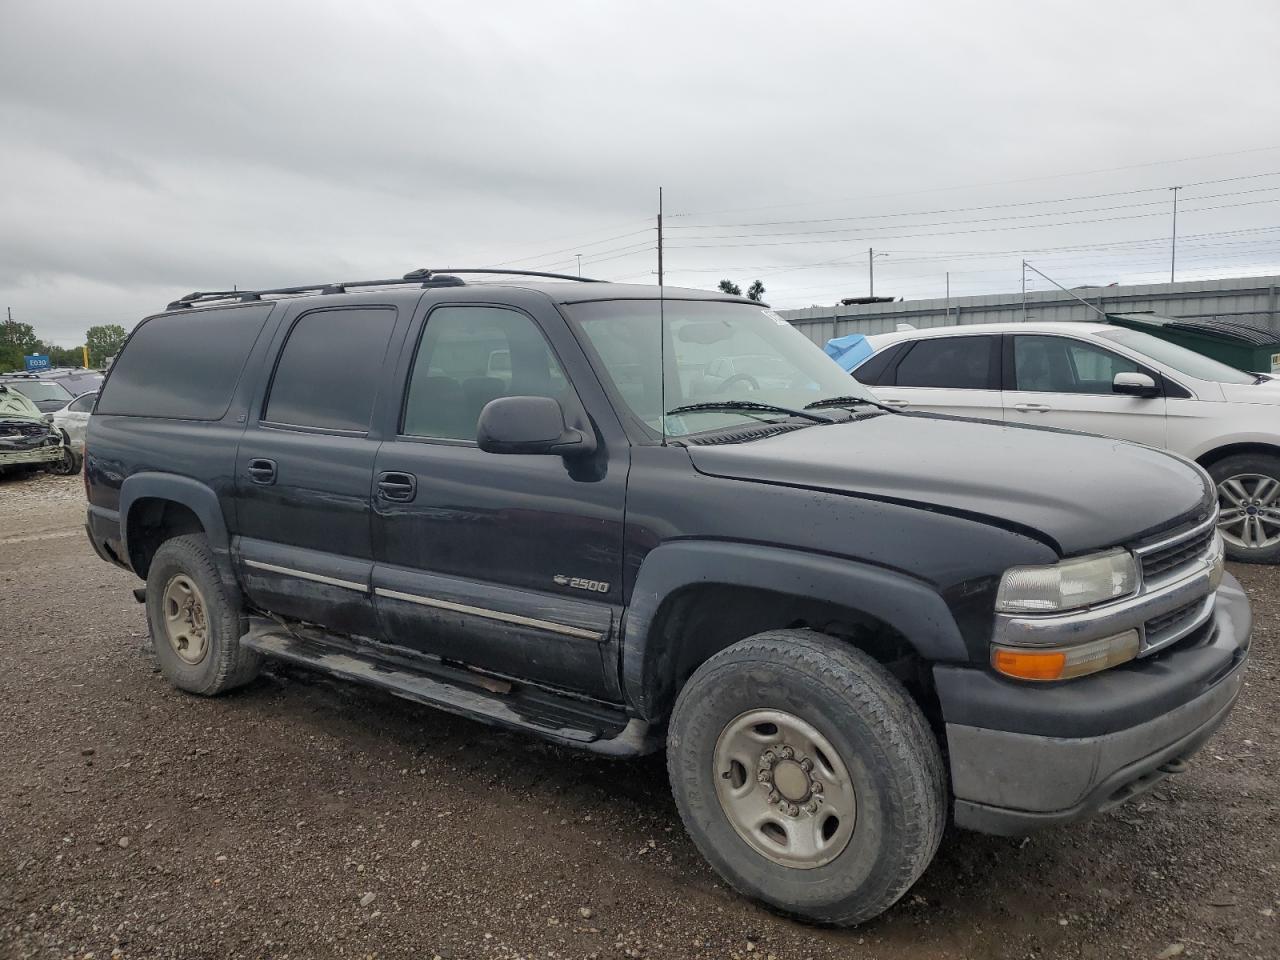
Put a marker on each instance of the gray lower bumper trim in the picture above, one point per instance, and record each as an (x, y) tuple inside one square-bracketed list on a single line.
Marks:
[(1011, 783)]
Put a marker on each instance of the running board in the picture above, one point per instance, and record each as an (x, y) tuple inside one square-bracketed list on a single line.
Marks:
[(565, 720)]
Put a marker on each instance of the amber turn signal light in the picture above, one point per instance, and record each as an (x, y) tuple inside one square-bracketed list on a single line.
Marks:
[(1063, 663)]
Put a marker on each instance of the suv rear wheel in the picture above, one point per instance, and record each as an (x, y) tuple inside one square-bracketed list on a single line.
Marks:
[(807, 776), (1249, 501), (195, 620)]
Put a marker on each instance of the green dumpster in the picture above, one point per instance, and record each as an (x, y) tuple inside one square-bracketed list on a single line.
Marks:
[(1246, 346)]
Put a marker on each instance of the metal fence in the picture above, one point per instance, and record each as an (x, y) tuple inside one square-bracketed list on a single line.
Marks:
[(1251, 298)]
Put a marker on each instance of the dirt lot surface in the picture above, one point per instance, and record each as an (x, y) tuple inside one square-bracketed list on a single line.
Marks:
[(303, 818)]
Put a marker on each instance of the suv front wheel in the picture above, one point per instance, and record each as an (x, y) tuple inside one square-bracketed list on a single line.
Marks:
[(196, 620), (807, 776)]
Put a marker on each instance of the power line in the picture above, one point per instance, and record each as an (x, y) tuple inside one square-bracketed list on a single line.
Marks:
[(948, 233), (989, 183), (994, 206)]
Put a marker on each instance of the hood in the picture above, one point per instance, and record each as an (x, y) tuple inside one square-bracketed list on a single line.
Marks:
[(1267, 392), (1079, 493)]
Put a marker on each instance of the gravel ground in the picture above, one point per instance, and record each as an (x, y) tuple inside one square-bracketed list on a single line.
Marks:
[(304, 818)]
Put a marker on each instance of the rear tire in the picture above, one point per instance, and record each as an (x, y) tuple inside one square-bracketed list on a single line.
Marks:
[(1249, 482), (835, 839), (196, 620)]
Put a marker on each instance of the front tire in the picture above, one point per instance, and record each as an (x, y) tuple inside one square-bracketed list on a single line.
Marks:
[(807, 776), (196, 620), (1249, 504)]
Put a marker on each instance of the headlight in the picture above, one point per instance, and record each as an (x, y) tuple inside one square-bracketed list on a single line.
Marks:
[(1068, 585)]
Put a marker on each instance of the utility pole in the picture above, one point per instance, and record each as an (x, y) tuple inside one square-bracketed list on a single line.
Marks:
[(1024, 291), (659, 236), (871, 270), (579, 256), (1173, 247), (948, 296)]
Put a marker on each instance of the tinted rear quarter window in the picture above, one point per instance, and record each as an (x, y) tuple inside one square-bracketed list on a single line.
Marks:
[(183, 366), (329, 369), (873, 371), (962, 363)]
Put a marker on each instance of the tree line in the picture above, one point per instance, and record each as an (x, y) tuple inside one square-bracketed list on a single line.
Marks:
[(754, 292), (18, 340)]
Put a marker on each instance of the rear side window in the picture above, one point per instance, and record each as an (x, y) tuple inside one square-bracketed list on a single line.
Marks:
[(82, 404), (183, 366), (958, 363), (329, 369), (872, 373)]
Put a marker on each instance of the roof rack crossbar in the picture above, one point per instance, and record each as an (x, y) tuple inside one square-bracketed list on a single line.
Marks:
[(426, 277)]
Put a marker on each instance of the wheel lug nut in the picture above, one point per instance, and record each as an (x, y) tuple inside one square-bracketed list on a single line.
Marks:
[(787, 753), (769, 756), (806, 764), (811, 806), (772, 797), (792, 809), (816, 786), (763, 776)]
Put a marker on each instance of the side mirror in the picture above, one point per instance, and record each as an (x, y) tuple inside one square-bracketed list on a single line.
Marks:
[(530, 425), (1135, 385)]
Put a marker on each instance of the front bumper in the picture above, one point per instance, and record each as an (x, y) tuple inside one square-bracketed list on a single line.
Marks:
[(1025, 757), (45, 454)]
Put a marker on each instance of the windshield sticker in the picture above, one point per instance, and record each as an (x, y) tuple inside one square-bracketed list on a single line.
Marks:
[(775, 318)]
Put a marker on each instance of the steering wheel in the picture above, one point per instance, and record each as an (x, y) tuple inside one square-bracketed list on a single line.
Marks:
[(746, 378)]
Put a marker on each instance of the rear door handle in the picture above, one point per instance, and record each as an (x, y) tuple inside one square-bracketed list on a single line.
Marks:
[(1032, 407), (896, 403), (397, 486), (262, 470)]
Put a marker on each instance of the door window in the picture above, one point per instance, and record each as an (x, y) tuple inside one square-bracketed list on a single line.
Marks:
[(329, 369), (469, 356), (82, 404), (1064, 365), (959, 363)]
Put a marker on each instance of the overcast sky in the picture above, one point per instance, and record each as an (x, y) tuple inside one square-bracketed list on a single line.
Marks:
[(154, 148)]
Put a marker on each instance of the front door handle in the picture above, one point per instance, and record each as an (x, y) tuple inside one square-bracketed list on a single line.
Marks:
[(1032, 407), (397, 486), (896, 403), (262, 471)]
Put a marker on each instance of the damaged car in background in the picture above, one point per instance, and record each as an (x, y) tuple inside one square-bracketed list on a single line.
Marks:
[(28, 441)]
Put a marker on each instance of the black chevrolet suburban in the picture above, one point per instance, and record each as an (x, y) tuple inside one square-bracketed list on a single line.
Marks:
[(626, 518)]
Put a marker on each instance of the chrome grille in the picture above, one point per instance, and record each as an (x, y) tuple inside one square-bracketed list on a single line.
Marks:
[(1168, 557)]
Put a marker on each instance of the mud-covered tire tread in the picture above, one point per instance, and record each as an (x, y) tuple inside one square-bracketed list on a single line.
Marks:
[(228, 664), (861, 685), (1234, 465)]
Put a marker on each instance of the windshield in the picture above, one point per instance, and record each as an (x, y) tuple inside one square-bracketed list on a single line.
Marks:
[(38, 390), (1179, 358), (714, 353)]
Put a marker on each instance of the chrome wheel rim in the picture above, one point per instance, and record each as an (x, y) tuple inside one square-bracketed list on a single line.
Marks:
[(784, 789), (185, 624), (1249, 511)]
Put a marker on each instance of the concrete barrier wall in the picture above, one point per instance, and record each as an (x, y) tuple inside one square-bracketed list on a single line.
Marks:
[(1250, 298)]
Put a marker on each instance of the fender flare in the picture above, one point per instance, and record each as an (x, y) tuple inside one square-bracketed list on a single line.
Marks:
[(910, 606), (192, 494)]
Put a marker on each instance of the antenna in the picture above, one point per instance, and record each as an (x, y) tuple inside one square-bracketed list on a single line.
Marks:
[(662, 335)]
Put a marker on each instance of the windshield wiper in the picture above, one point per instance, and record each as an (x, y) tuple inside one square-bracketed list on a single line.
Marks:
[(847, 402), (748, 405)]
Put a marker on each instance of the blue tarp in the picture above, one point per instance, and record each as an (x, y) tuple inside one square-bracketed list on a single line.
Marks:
[(848, 351)]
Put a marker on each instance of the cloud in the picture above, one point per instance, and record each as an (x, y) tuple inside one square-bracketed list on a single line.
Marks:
[(154, 148)]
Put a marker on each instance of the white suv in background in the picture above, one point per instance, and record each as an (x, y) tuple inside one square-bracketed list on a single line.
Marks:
[(1108, 380)]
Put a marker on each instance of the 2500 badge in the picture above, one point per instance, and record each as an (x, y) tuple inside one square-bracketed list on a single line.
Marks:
[(578, 583)]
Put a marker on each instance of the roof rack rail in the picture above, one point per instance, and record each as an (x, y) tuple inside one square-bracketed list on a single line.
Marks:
[(426, 277)]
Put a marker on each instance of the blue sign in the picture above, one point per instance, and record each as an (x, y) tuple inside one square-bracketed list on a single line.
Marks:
[(36, 361)]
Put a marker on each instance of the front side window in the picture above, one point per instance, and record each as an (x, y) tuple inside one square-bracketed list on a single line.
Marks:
[(1064, 365), (1179, 358), (960, 363), (329, 369), (83, 404), (712, 353), (469, 356)]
